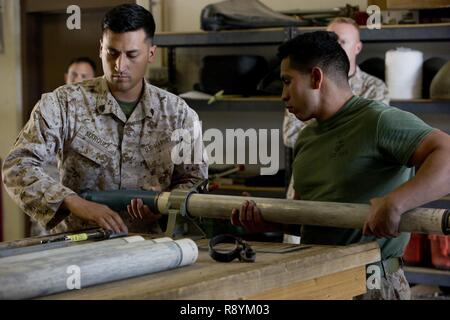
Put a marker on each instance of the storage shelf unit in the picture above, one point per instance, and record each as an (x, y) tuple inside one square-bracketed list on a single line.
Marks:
[(275, 36)]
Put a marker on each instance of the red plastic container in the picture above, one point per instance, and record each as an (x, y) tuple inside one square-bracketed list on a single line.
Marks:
[(417, 252), (440, 251)]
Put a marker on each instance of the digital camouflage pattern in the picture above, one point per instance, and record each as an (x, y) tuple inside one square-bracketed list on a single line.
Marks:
[(83, 128), (369, 87)]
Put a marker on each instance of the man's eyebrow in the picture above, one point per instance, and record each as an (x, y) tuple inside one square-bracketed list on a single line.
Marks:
[(129, 51), (133, 51)]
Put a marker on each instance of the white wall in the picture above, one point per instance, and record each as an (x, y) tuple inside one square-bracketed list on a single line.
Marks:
[(10, 108)]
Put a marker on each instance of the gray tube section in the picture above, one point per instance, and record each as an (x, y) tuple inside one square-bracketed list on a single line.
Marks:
[(28, 276)]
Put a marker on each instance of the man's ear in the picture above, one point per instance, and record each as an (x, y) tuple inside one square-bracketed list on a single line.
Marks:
[(316, 78), (359, 47), (65, 77), (151, 54)]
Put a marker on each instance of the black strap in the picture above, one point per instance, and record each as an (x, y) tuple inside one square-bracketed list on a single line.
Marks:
[(242, 251)]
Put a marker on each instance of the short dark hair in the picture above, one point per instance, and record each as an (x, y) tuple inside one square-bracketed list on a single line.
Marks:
[(129, 17), (319, 48), (83, 60)]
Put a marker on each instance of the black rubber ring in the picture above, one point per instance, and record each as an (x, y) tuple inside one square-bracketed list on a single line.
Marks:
[(242, 250)]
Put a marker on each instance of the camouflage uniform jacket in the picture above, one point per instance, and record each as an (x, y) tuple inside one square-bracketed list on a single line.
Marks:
[(84, 128), (361, 83)]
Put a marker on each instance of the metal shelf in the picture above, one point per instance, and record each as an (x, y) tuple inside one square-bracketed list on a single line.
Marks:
[(223, 38), (387, 33), (259, 104), (423, 105), (423, 32)]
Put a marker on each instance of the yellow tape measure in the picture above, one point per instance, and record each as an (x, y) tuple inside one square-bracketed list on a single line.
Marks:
[(78, 237)]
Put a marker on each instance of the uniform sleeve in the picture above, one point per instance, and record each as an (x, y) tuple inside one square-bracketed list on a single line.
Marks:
[(291, 129), (24, 169), (376, 90), (194, 168), (399, 133)]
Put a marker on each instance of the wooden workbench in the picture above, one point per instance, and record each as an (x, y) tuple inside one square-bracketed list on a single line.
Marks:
[(281, 271)]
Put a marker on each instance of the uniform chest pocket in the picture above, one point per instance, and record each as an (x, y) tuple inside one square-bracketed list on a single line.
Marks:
[(101, 155)]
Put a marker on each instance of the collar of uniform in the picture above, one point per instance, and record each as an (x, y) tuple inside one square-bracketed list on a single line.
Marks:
[(339, 117), (146, 105), (106, 103)]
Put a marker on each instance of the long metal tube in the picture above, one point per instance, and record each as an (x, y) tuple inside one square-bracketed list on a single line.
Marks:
[(44, 273)]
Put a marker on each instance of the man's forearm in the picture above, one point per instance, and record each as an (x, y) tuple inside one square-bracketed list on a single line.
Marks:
[(431, 182), (71, 202)]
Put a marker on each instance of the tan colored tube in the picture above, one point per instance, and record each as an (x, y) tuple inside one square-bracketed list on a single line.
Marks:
[(327, 214)]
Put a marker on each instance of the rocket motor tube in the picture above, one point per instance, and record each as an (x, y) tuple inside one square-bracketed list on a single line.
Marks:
[(326, 214), (316, 213)]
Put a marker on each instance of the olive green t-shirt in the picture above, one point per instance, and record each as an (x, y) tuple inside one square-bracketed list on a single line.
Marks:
[(360, 153), (127, 107)]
